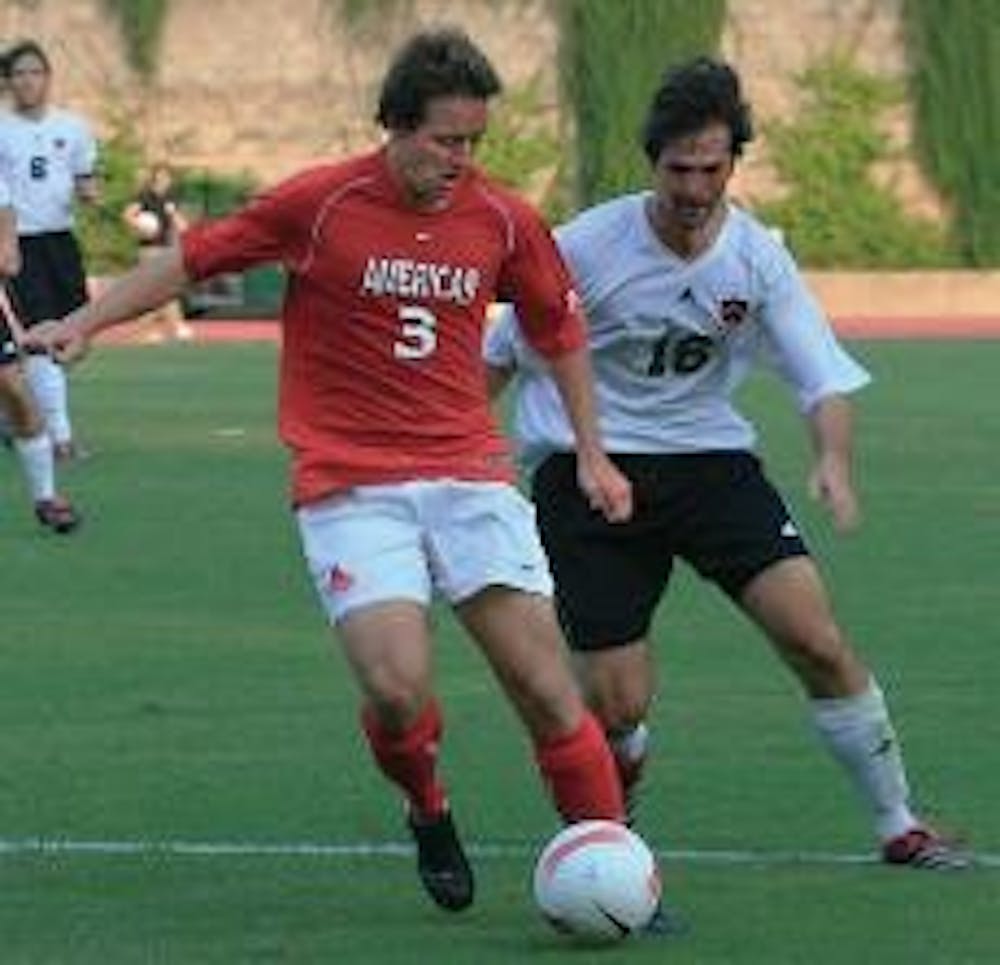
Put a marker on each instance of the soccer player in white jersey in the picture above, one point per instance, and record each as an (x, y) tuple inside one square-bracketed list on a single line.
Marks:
[(682, 291), (28, 436), (47, 156)]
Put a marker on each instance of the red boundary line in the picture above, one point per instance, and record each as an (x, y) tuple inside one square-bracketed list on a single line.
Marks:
[(853, 327)]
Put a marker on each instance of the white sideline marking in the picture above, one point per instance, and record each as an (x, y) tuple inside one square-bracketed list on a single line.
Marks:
[(392, 849)]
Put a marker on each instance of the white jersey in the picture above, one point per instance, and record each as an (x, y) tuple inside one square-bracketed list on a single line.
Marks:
[(672, 339), (41, 158)]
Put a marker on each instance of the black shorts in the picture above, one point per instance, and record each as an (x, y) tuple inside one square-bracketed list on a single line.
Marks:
[(717, 511), (52, 281)]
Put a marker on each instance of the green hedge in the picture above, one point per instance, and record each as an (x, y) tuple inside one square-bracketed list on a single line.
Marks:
[(834, 214), (954, 52), (612, 55), (141, 25), (108, 246)]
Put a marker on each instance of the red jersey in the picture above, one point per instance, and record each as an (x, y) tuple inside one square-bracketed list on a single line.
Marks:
[(382, 378)]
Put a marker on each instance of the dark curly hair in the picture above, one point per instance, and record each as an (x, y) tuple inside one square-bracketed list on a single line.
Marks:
[(24, 48), (433, 63), (691, 96)]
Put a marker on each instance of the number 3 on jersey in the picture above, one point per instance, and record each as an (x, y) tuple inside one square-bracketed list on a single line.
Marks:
[(417, 331)]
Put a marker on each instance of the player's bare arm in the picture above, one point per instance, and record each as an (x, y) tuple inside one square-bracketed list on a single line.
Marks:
[(830, 481), (497, 379), (10, 253), (10, 317), (146, 287), (607, 489)]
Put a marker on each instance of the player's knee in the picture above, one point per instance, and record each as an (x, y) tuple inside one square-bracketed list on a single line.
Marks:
[(24, 418), (395, 700), (826, 661)]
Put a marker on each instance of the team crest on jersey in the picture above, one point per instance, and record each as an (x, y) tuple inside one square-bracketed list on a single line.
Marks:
[(59, 143), (733, 311)]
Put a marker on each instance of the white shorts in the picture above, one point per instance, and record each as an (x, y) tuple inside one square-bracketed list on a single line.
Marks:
[(406, 541)]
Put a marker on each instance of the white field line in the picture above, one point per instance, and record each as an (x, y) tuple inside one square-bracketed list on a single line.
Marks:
[(393, 849)]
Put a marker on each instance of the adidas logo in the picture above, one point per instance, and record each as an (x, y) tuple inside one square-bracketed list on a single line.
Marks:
[(789, 530)]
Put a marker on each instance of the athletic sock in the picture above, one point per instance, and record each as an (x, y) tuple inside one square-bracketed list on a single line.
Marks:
[(859, 734), (630, 747), (37, 463), (580, 772), (409, 759), (48, 385)]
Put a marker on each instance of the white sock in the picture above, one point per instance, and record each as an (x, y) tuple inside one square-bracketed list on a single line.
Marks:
[(38, 465), (859, 734), (630, 746), (48, 385)]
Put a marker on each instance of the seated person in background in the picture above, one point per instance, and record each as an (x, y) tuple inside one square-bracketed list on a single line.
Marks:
[(155, 220)]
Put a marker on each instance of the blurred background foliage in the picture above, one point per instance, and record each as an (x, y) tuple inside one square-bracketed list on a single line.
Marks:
[(833, 212), (954, 52), (611, 57)]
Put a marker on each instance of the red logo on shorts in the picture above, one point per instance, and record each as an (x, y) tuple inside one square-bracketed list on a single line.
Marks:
[(339, 580)]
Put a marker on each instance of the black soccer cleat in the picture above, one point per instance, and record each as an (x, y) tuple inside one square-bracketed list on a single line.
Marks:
[(441, 862), (57, 514)]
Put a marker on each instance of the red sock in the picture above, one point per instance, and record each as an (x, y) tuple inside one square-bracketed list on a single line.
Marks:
[(580, 772), (410, 759)]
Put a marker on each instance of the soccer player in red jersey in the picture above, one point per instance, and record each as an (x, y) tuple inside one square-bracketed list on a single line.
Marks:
[(402, 483)]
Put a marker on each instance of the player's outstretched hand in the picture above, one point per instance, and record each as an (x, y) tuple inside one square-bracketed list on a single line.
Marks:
[(62, 340), (607, 489), (830, 483)]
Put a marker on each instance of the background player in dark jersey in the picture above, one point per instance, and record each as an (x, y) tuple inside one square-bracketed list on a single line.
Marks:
[(683, 292), (402, 481), (155, 219)]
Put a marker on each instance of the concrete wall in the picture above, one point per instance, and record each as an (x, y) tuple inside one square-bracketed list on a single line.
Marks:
[(908, 295)]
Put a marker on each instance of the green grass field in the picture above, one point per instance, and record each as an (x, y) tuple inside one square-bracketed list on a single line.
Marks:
[(174, 714)]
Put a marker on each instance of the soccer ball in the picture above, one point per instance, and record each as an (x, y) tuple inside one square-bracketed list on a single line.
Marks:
[(597, 881), (146, 225)]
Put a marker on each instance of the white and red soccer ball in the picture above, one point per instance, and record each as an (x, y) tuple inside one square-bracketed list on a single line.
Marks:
[(146, 225), (597, 881)]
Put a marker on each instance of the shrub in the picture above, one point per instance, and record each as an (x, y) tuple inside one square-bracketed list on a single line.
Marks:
[(834, 214), (521, 148), (108, 246), (612, 55), (954, 52)]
